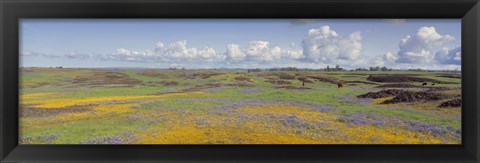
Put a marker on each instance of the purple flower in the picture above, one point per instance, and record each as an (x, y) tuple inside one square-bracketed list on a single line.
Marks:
[(355, 100), (296, 122), (369, 119), (121, 138), (40, 139)]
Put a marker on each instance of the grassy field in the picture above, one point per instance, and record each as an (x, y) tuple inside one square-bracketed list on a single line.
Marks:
[(141, 106)]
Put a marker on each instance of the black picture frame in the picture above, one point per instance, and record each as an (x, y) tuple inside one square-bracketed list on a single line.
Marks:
[(13, 10)]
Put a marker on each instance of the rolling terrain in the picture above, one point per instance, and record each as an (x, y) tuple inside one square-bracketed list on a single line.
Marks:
[(177, 106)]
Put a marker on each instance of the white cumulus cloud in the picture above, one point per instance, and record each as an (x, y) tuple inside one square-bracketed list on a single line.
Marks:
[(387, 59), (176, 51), (123, 54), (449, 56), (76, 55), (294, 54), (72, 55), (324, 45), (420, 47), (235, 53), (254, 51)]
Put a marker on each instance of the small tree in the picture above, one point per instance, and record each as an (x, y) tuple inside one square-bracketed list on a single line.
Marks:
[(361, 69), (376, 68)]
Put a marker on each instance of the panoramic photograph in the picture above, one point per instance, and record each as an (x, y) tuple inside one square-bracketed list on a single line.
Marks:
[(240, 81)]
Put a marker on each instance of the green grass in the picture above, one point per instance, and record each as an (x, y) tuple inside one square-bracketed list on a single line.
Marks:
[(83, 130), (400, 113), (59, 81)]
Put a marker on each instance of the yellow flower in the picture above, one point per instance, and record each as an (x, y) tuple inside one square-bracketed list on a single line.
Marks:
[(60, 103)]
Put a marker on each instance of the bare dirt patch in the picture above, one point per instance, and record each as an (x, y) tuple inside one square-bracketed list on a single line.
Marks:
[(281, 82), (293, 87), (330, 73), (305, 80), (350, 76), (277, 75), (40, 84), (433, 89), (106, 78), (161, 83), (360, 82), (263, 74), (208, 75), (453, 92), (325, 79), (202, 75), (410, 96), (153, 74), (241, 84), (399, 78), (398, 85), (457, 76), (241, 78), (201, 87), (365, 74), (381, 94), (451, 103), (271, 78), (169, 83), (285, 76)]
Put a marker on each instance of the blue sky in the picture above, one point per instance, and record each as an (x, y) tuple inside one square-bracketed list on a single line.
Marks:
[(241, 43)]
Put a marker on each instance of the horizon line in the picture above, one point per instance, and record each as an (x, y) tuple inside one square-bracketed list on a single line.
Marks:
[(227, 68)]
